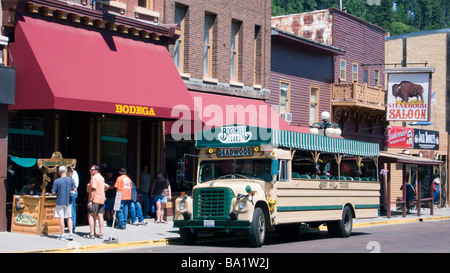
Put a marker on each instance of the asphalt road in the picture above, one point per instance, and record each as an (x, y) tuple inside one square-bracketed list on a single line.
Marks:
[(420, 237)]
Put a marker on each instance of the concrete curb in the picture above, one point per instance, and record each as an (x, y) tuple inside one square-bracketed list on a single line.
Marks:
[(76, 248)]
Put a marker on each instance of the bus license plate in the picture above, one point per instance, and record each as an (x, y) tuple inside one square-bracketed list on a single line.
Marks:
[(209, 223)]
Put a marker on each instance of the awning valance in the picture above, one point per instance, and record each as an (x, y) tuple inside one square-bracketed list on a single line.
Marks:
[(68, 67), (326, 144)]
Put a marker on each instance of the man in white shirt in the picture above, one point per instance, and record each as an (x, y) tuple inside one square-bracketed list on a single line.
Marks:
[(75, 178)]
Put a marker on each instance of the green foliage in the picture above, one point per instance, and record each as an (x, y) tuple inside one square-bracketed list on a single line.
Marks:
[(396, 17)]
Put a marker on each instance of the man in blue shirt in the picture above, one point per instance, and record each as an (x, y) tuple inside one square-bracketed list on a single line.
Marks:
[(64, 187)]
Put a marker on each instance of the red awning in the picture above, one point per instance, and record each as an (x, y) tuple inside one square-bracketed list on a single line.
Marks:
[(73, 68), (214, 110)]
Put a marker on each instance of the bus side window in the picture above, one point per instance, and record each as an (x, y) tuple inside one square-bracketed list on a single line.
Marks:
[(283, 171)]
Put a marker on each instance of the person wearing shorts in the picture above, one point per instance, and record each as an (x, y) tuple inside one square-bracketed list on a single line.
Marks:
[(63, 187), (161, 192), (96, 189)]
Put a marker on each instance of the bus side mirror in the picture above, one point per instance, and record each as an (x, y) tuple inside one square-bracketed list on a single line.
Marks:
[(274, 167)]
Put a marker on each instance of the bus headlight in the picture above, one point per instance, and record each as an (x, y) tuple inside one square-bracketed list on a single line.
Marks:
[(241, 205)]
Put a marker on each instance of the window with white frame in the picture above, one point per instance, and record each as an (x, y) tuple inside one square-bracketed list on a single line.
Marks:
[(178, 52), (313, 104), (234, 54), (208, 45), (284, 97)]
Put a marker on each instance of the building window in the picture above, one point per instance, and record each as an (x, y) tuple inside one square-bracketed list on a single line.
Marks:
[(234, 56), (376, 77), (313, 104), (342, 66), (148, 4), (208, 45), (366, 75), (257, 52), (355, 72), (284, 97), (178, 52)]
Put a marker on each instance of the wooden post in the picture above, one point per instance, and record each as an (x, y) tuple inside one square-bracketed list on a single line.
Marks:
[(432, 196), (388, 191), (404, 182), (419, 193)]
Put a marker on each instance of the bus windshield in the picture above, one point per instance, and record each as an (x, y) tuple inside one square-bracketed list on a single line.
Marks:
[(235, 169)]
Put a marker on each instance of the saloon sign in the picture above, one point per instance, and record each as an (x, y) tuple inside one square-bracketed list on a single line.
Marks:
[(400, 137), (408, 97)]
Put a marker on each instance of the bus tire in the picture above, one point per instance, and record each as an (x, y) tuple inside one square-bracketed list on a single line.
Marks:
[(188, 236), (257, 232), (345, 225)]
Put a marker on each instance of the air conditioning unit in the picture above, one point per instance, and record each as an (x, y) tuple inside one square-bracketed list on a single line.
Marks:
[(287, 116)]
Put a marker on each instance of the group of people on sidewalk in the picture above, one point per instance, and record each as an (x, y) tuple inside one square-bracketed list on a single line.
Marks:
[(104, 195), (411, 193)]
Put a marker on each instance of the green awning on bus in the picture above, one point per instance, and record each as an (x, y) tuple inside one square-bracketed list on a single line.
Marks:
[(326, 144), (242, 135)]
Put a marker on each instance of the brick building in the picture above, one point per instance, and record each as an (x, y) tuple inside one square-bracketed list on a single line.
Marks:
[(223, 56), (224, 45)]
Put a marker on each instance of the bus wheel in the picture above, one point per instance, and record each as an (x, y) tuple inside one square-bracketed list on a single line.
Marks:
[(188, 235), (257, 232), (345, 225)]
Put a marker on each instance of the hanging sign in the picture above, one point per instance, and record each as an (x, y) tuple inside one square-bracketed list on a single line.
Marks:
[(408, 97), (399, 137), (425, 139)]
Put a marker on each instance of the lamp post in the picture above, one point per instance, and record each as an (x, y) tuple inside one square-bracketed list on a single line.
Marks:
[(329, 129)]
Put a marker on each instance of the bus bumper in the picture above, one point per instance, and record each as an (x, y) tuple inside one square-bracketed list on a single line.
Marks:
[(219, 224)]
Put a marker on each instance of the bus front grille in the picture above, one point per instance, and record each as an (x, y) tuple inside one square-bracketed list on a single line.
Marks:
[(213, 204)]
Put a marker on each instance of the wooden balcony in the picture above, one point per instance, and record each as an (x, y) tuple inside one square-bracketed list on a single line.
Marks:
[(358, 95)]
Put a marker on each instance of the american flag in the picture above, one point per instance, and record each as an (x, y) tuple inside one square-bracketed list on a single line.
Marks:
[(433, 98)]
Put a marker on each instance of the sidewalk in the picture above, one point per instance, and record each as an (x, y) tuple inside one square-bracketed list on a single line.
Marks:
[(157, 234)]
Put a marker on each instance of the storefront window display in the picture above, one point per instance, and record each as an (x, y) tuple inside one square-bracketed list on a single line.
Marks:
[(179, 157)]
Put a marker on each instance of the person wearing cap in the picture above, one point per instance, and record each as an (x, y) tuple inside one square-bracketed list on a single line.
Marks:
[(62, 188), (436, 189), (123, 185)]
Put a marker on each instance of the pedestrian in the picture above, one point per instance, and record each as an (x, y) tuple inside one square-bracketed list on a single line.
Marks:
[(29, 189), (410, 194), (74, 175), (162, 193), (436, 189), (136, 214), (63, 187), (123, 185), (110, 196), (96, 199), (145, 191)]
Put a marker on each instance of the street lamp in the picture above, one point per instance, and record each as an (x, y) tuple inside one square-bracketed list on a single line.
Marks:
[(329, 129)]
